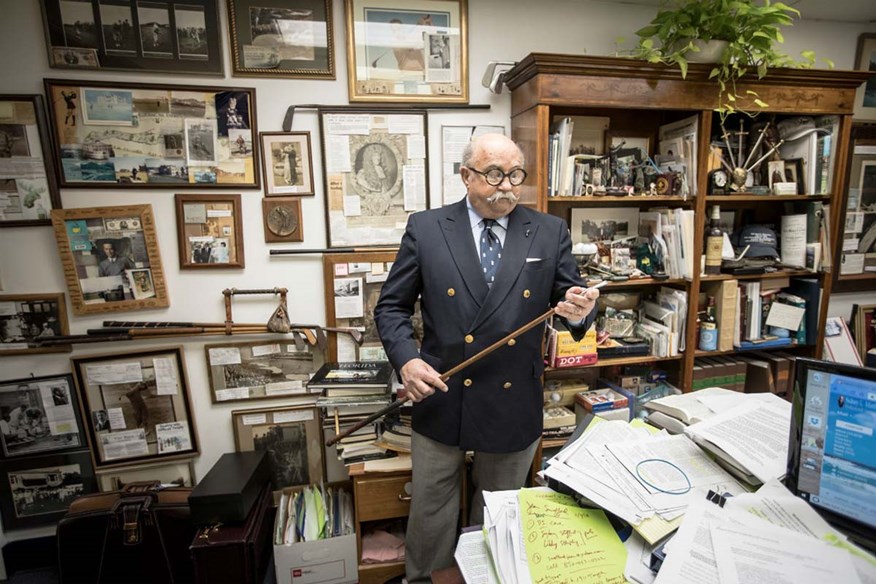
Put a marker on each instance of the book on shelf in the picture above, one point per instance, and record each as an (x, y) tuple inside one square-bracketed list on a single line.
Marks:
[(352, 378)]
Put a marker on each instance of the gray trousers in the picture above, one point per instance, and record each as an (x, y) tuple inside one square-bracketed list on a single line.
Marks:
[(437, 476)]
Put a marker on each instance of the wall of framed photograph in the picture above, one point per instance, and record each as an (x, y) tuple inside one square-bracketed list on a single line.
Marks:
[(136, 406), (282, 219), (38, 490), (28, 187), (39, 415), (376, 174), (865, 60), (176, 474), (26, 318), (171, 36), (111, 259), (282, 38), (407, 51), (141, 135), (291, 437), (264, 369), (209, 231), (288, 163)]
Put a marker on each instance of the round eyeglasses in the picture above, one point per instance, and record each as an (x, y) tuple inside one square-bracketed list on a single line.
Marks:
[(495, 176)]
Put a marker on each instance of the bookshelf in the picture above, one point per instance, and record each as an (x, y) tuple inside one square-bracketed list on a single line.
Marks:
[(638, 97)]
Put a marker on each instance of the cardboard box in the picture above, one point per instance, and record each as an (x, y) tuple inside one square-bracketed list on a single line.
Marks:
[(566, 352), (325, 561)]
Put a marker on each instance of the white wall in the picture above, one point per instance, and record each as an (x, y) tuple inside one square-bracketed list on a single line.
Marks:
[(498, 30)]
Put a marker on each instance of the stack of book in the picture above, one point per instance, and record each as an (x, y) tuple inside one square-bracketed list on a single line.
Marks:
[(757, 372)]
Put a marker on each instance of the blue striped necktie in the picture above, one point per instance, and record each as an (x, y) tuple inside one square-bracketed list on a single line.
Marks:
[(491, 252)]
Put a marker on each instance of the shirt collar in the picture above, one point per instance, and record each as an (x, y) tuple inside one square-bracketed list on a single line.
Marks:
[(475, 219)]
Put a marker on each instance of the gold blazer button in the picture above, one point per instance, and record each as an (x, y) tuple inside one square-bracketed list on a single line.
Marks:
[(469, 339), (512, 342), (507, 385), (467, 383), (451, 292), (526, 293)]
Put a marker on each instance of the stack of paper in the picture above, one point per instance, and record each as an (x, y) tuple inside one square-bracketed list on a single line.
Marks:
[(313, 513)]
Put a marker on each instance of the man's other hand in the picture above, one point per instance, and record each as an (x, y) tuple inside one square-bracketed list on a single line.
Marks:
[(578, 303), (420, 379)]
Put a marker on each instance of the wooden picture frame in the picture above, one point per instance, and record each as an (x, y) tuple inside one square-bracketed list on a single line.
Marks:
[(40, 415), (172, 36), (287, 163), (88, 239), (267, 369), (282, 38), (865, 60), (290, 435), (28, 317), (177, 474), (149, 135), (38, 490), (864, 325), (209, 232), (136, 406), (376, 174), (407, 51), (281, 218), (30, 187)]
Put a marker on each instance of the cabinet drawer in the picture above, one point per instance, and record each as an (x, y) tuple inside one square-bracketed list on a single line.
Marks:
[(382, 498)]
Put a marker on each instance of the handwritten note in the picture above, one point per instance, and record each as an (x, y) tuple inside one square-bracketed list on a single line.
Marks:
[(568, 544)]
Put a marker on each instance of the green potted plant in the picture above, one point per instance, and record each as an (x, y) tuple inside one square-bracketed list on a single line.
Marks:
[(747, 32)]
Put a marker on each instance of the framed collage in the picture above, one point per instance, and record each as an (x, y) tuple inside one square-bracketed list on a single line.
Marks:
[(209, 231), (26, 319)]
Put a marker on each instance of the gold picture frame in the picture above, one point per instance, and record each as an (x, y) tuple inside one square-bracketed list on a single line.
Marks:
[(209, 232), (26, 318)]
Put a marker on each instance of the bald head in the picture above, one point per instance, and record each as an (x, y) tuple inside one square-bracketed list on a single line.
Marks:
[(489, 141), (483, 154)]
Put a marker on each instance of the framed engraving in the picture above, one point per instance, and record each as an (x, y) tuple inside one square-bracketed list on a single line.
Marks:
[(287, 163), (111, 259), (140, 135), (136, 406), (171, 474), (376, 175), (282, 219), (412, 51), (291, 437), (209, 231), (39, 415), (169, 36), (266, 369), (29, 186), (282, 38), (865, 60), (25, 318)]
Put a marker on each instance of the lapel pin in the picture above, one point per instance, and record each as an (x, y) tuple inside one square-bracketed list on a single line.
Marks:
[(526, 234)]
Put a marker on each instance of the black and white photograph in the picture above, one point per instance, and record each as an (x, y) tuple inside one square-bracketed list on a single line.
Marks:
[(201, 141), (141, 405), (174, 146), (287, 447), (290, 31), (156, 37), (604, 224), (79, 25), (232, 111), (171, 474), (191, 32), (13, 140), (288, 164), (439, 57), (38, 415), (118, 29), (101, 420), (26, 319)]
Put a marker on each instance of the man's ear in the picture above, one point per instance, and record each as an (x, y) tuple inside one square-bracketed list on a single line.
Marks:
[(465, 173)]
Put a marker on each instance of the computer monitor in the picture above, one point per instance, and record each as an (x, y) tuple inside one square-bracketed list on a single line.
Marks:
[(832, 450)]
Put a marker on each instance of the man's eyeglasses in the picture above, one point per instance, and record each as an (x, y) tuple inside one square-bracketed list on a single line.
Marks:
[(494, 176)]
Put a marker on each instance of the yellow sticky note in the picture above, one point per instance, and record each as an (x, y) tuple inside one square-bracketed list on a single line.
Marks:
[(567, 543)]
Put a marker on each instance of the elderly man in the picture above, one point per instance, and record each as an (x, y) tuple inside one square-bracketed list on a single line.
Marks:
[(482, 268)]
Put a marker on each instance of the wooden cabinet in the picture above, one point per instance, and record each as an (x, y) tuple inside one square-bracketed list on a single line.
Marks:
[(639, 97)]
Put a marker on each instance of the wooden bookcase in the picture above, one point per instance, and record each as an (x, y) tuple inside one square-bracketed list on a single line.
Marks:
[(639, 97)]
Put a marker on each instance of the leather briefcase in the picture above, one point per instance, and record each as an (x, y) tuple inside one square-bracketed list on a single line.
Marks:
[(237, 552), (139, 535)]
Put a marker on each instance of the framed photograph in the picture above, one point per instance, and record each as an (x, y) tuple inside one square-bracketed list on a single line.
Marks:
[(865, 60), (282, 38), (140, 135), (136, 406), (29, 186), (794, 173), (170, 36), (413, 51), (376, 175), (38, 490), (261, 369), (170, 474), (291, 437), (209, 231), (282, 219), (595, 224), (25, 318), (110, 258), (288, 163), (39, 415), (865, 328), (352, 284)]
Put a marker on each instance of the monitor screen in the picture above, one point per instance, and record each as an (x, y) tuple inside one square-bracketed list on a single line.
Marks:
[(832, 451)]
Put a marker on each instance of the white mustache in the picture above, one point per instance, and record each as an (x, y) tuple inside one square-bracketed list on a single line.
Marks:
[(499, 196)]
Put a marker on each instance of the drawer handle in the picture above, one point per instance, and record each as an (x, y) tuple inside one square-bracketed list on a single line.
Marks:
[(404, 498)]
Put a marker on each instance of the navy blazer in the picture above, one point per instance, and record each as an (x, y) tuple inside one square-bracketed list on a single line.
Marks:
[(494, 405)]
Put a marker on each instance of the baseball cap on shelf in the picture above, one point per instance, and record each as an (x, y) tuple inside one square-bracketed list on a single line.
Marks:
[(761, 241)]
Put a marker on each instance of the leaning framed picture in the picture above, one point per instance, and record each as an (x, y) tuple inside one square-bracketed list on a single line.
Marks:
[(29, 186), (282, 38), (39, 415), (147, 135), (136, 406), (290, 436), (170, 36), (288, 163), (111, 259), (411, 51), (209, 231), (376, 174), (28, 319), (170, 474), (37, 490), (864, 323), (865, 60)]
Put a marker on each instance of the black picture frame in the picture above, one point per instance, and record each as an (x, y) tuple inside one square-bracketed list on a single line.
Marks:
[(170, 36), (37, 490)]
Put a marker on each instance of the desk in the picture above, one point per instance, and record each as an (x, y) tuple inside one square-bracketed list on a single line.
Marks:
[(450, 575)]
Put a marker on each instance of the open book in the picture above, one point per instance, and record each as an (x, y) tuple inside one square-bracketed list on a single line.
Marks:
[(689, 407)]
